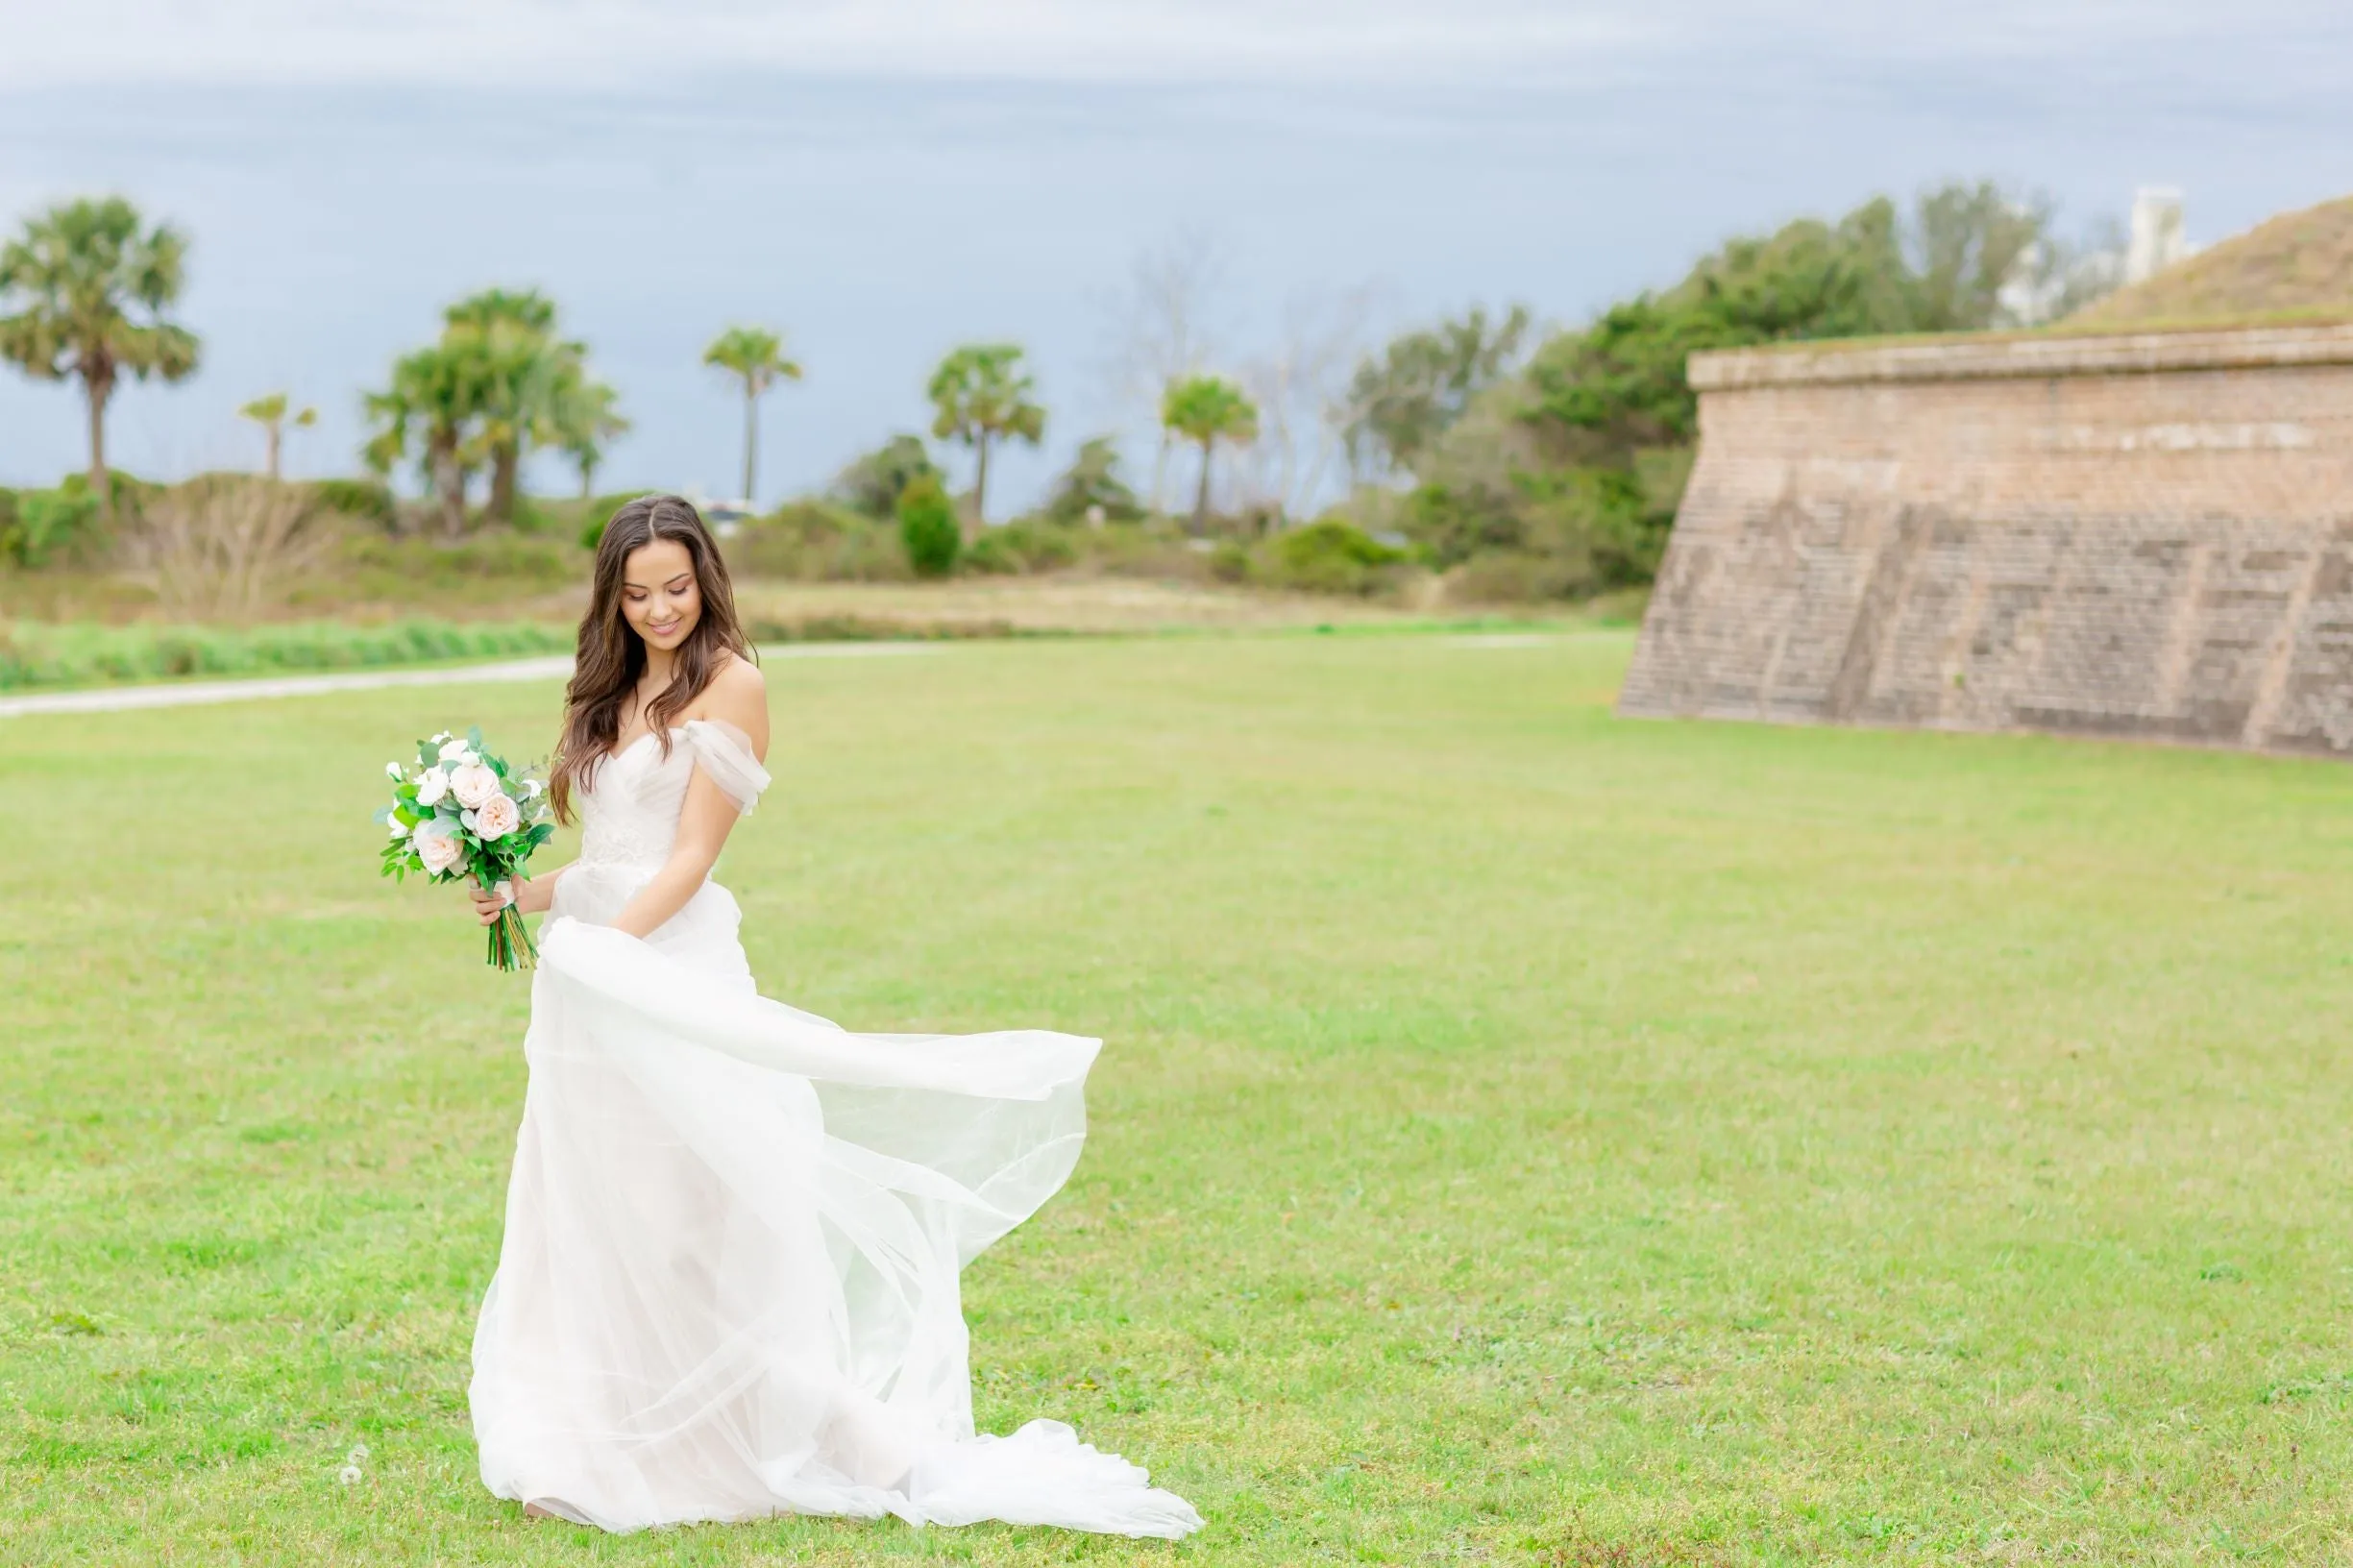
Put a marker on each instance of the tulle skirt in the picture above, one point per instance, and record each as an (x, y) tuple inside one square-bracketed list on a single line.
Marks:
[(728, 1284)]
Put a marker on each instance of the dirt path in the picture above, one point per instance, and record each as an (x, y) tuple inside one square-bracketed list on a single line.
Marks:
[(555, 667)]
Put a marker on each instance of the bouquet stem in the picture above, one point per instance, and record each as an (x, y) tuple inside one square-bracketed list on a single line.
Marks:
[(510, 945)]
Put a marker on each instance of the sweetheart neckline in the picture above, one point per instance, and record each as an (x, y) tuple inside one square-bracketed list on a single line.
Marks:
[(616, 756)]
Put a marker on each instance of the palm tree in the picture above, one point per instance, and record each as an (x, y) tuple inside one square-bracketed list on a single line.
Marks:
[(525, 372), (433, 410), (1208, 410), (270, 413), (756, 357), (981, 394), (587, 418), (92, 286)]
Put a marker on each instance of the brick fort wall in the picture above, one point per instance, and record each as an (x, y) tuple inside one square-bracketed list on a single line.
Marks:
[(2147, 534)]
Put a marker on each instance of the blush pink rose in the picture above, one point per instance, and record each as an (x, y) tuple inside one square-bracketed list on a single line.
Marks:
[(495, 819), (473, 785), (437, 847)]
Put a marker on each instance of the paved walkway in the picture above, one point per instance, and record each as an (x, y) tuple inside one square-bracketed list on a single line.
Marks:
[(555, 667)]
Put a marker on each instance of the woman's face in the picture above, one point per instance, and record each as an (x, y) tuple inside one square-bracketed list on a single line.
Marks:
[(659, 596)]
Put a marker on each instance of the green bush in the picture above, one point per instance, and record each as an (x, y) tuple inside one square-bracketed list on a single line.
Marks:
[(36, 654), (815, 541), (872, 484), (1330, 556), (381, 568), (363, 501), (1021, 547), (927, 527), (46, 528)]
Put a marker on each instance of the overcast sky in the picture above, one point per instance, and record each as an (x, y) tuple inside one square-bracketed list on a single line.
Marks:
[(886, 177)]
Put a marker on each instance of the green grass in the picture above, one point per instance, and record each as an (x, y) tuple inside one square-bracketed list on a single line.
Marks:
[(1523, 1136), (35, 656)]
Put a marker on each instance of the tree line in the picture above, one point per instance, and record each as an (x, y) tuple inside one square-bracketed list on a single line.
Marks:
[(1529, 461), (92, 286)]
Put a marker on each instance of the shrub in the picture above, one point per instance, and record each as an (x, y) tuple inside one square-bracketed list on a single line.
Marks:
[(226, 544), (483, 567), (927, 527), (363, 501), (1021, 547), (32, 654), (1517, 577), (1330, 556), (815, 541), (873, 484), (1230, 561), (41, 528)]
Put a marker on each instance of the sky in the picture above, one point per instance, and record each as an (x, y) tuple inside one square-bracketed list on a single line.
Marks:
[(885, 178)]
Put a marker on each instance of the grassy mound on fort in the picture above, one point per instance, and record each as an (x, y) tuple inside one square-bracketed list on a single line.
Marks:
[(2298, 266)]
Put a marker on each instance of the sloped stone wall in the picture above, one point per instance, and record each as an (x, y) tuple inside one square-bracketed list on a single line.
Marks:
[(2134, 535)]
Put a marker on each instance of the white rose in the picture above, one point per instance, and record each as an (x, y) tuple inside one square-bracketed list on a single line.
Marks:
[(497, 818), (431, 785), (451, 751), (392, 772), (397, 831), (473, 785), (438, 739), (436, 847)]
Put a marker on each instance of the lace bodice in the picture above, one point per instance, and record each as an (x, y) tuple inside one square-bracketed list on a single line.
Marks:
[(630, 814)]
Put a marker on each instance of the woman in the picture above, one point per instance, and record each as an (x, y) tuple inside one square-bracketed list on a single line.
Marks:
[(727, 1287)]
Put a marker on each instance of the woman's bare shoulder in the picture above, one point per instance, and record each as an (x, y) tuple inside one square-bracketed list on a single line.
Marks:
[(734, 676), (738, 695)]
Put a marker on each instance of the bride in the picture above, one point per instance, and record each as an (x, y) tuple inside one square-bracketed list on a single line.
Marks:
[(728, 1284)]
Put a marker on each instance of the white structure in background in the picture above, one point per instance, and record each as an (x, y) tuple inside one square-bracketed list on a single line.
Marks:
[(2158, 239), (727, 518)]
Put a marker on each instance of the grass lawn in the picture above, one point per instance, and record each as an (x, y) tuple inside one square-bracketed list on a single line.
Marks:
[(1523, 1136)]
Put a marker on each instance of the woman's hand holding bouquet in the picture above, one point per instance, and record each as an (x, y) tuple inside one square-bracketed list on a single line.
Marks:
[(462, 814)]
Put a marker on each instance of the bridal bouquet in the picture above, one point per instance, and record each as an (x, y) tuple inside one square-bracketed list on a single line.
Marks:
[(462, 813)]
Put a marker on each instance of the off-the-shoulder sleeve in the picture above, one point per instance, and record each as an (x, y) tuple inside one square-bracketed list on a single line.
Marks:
[(724, 755)]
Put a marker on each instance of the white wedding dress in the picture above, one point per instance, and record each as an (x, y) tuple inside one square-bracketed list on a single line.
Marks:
[(728, 1284)]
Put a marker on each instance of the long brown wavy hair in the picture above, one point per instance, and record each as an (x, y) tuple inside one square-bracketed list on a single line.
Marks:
[(611, 658)]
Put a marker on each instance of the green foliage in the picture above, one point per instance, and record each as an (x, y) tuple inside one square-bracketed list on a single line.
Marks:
[(274, 413), (1622, 380), (872, 484), (1207, 410), (1563, 481), (814, 541), (756, 358), (1094, 481), (927, 529), (1021, 547), (498, 382), (1329, 556), (1423, 382), (588, 419), (376, 568), (983, 394), (363, 501), (41, 654), (38, 527), (84, 294)]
